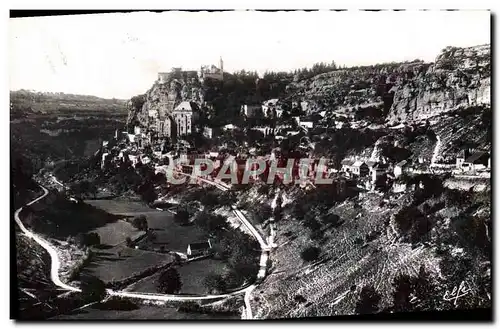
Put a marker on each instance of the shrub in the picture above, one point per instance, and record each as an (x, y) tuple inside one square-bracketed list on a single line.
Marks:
[(128, 242), (215, 284), (299, 299), (330, 219), (412, 223), (93, 289), (182, 217), (169, 282), (310, 253), (368, 301), (140, 223)]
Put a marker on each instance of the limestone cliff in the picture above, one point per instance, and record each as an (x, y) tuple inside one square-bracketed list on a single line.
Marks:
[(460, 77), (408, 91), (162, 98)]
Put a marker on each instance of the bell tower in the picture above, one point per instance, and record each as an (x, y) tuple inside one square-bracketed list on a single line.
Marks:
[(221, 64)]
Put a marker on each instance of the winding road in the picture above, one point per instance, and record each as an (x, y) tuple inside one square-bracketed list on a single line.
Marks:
[(56, 263)]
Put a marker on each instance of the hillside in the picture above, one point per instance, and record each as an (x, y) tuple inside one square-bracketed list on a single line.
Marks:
[(412, 91)]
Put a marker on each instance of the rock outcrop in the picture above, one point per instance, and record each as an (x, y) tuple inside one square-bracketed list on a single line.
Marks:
[(460, 77), (162, 98), (410, 91)]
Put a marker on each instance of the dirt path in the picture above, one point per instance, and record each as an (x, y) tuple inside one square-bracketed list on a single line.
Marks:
[(56, 263)]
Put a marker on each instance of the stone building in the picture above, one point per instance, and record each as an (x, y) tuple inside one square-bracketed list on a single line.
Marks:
[(184, 116)]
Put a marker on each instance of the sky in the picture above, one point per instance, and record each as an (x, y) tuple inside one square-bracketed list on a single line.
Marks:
[(119, 55)]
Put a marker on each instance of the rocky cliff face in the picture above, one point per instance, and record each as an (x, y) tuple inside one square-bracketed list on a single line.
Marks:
[(162, 98), (355, 89), (460, 77), (410, 91)]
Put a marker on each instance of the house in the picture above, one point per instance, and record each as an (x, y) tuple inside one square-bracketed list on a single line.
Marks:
[(306, 124), (199, 249), (378, 170), (400, 168), (229, 126), (370, 165), (251, 110), (305, 106), (461, 158), (360, 168), (266, 131), (268, 106), (476, 161), (346, 165), (208, 132)]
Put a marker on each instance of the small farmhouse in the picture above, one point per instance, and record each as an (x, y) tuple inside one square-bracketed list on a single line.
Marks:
[(476, 161), (346, 165), (360, 168), (199, 249), (378, 170), (400, 168), (251, 110)]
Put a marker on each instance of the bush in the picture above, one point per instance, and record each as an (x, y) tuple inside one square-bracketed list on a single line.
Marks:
[(310, 254), (210, 199), (169, 282), (182, 217), (93, 289), (211, 222), (264, 212), (333, 219), (215, 284), (140, 223), (93, 239), (299, 299), (412, 223), (368, 301), (129, 243), (89, 239)]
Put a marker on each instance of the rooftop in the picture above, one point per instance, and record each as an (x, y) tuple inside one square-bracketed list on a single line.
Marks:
[(402, 163), (357, 163), (199, 245), (475, 156)]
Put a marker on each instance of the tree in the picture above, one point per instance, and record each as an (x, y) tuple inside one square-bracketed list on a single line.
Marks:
[(215, 284), (412, 223), (92, 239), (210, 199), (264, 212), (310, 253), (181, 217), (169, 282), (211, 222), (402, 293), (147, 192), (129, 242), (140, 223), (368, 301), (93, 289), (333, 219)]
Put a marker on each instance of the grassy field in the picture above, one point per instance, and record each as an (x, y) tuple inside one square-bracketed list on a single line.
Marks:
[(169, 234), (109, 266), (194, 273), (115, 233), (192, 276), (120, 206)]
